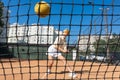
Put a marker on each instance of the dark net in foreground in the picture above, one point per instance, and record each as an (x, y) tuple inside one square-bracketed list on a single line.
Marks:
[(94, 40)]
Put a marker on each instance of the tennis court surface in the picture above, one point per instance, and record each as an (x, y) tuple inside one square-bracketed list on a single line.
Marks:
[(14, 69)]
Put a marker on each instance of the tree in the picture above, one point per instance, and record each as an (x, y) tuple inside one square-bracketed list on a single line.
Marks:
[(113, 43), (100, 46), (1, 14)]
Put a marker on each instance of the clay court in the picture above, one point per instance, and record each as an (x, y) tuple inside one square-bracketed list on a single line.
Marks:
[(13, 69)]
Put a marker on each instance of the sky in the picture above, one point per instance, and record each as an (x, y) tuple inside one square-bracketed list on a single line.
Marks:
[(81, 17)]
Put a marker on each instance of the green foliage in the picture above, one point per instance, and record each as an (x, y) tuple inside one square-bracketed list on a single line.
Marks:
[(113, 44), (100, 46)]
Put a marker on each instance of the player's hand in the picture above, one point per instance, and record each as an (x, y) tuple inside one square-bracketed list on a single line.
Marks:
[(66, 51)]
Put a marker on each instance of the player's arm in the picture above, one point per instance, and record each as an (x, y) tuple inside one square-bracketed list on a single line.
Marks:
[(60, 49), (65, 48), (57, 44)]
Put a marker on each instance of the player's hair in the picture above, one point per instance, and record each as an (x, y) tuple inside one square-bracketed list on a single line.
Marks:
[(66, 31)]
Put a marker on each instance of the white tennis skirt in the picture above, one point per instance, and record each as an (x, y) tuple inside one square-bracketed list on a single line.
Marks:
[(53, 52)]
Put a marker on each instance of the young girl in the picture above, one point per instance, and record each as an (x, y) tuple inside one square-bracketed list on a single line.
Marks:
[(55, 50)]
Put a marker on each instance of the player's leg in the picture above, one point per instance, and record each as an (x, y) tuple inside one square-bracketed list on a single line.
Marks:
[(50, 64), (62, 59), (50, 58), (71, 73)]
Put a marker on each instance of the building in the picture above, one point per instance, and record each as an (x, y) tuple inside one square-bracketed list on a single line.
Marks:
[(85, 41), (33, 34)]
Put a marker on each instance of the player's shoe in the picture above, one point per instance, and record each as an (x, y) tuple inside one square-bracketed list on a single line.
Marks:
[(48, 71), (72, 75)]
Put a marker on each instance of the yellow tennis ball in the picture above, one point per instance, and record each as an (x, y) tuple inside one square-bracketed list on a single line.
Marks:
[(42, 9)]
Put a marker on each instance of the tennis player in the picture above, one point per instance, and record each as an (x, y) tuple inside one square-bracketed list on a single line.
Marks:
[(56, 50)]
